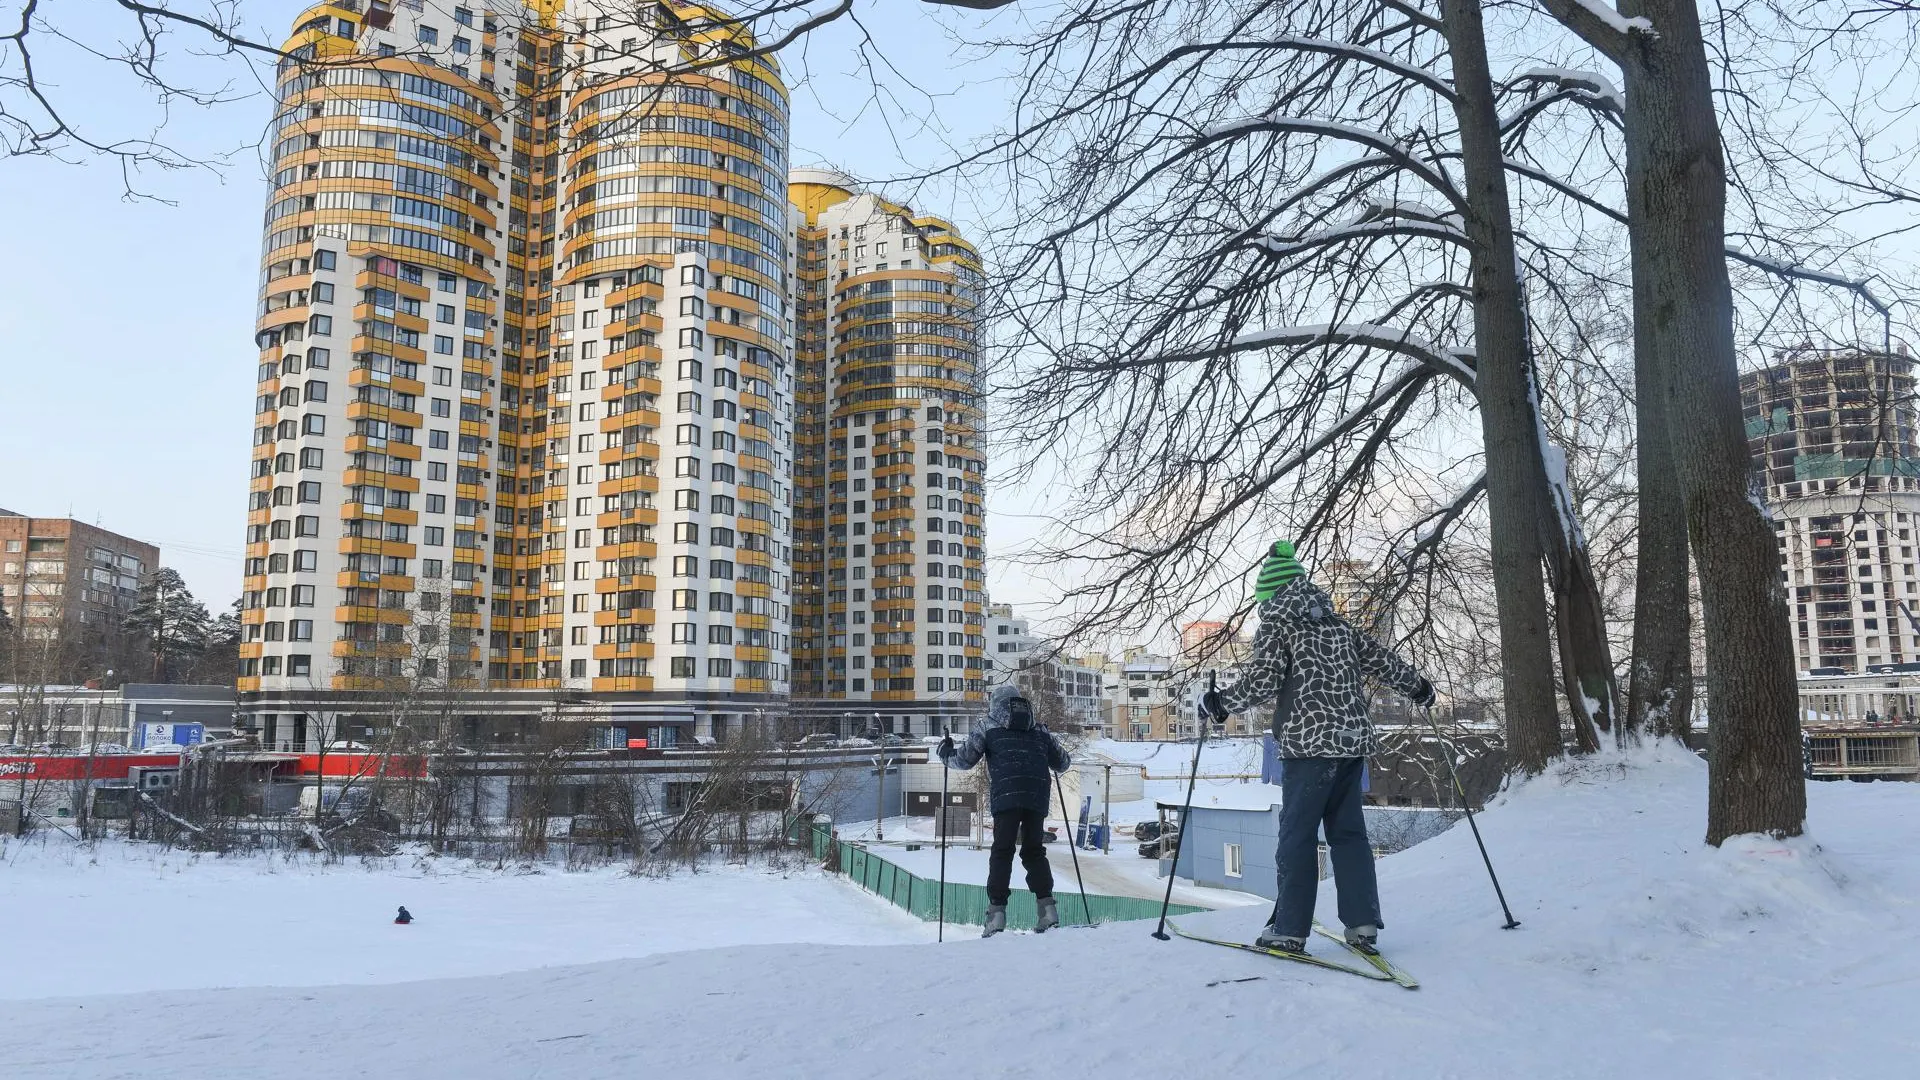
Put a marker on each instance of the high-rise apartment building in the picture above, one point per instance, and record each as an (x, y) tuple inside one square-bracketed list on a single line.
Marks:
[(526, 390), (63, 579), (1833, 441), (889, 532)]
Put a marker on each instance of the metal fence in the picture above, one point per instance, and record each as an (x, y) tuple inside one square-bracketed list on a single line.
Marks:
[(966, 904)]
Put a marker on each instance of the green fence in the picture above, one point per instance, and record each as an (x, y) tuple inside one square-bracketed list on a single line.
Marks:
[(966, 904)]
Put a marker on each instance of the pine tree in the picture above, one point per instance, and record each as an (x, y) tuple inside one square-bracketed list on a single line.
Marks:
[(174, 624), (220, 660)]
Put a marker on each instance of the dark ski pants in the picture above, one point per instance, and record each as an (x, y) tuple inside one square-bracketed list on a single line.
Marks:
[(1027, 828), (1316, 793)]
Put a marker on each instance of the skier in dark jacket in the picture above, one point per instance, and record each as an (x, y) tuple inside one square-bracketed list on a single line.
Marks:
[(1022, 757), (1312, 664), (404, 917)]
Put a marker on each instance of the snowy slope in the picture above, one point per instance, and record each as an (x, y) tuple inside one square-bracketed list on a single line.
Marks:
[(1643, 954)]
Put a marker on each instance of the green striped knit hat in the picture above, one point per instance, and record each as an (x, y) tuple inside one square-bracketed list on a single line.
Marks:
[(1280, 568)]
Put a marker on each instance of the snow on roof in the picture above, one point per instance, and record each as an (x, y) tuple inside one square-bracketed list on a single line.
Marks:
[(1256, 797)]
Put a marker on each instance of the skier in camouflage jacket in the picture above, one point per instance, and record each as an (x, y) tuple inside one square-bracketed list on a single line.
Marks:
[(1314, 665)]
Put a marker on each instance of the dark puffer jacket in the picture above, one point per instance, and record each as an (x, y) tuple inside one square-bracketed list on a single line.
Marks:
[(1020, 760), (1316, 665)]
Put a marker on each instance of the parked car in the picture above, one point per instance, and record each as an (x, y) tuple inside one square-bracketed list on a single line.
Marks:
[(857, 741), (818, 741)]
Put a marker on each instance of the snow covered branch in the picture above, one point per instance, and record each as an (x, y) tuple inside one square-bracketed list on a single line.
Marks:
[(1456, 364), (1432, 529), (1599, 24), (1280, 247)]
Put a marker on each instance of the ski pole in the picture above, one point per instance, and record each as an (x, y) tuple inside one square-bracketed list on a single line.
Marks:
[(1467, 805), (1179, 838), (940, 823), (1073, 849)]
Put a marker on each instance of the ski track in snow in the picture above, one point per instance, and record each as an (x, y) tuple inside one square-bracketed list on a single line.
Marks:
[(1642, 953)]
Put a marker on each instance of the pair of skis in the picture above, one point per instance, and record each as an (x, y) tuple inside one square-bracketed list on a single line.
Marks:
[(1378, 967)]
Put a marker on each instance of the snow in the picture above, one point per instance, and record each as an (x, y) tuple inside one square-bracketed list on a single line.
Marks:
[(1591, 82), (1620, 24), (1366, 335), (129, 918), (1642, 952)]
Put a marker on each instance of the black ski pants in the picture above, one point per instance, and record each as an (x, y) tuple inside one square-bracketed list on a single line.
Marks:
[(1323, 794), (1026, 828)]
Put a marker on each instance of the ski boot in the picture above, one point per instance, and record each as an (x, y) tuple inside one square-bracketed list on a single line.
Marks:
[(1365, 938), (996, 920), (1271, 939), (1049, 915)]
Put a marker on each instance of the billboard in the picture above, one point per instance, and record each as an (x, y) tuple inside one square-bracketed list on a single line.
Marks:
[(171, 734)]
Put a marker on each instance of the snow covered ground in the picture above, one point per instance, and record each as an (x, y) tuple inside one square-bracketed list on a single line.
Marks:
[(1642, 954), (123, 918)]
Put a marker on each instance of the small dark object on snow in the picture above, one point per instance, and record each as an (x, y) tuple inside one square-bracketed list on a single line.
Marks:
[(404, 917)]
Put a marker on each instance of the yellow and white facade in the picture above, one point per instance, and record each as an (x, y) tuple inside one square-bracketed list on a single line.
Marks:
[(889, 532), (525, 417)]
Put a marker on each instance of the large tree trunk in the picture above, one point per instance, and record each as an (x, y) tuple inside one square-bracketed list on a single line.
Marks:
[(1660, 675), (1508, 417), (1676, 193)]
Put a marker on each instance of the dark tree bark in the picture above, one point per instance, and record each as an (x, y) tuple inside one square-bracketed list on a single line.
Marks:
[(1508, 417), (1676, 211), (1676, 199), (1660, 674)]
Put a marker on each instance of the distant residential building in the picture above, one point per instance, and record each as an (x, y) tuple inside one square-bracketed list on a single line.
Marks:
[(60, 577), (1832, 432), (1015, 654)]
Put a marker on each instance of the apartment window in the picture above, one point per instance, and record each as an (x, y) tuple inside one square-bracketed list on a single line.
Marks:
[(436, 504), (686, 600), (690, 370), (320, 324), (681, 667), (311, 458), (300, 664), (306, 559), (688, 402), (429, 36), (323, 259), (686, 499), (310, 491), (719, 635), (719, 668), (303, 596), (300, 630), (935, 682), (689, 337), (442, 376), (692, 275), (686, 566), (436, 536), (686, 532), (436, 470), (684, 633), (313, 424), (306, 525), (436, 440)]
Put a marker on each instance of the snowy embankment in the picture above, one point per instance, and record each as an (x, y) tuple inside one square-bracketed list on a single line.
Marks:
[(1642, 954), (119, 918)]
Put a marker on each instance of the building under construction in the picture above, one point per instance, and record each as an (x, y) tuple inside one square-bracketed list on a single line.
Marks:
[(1832, 435)]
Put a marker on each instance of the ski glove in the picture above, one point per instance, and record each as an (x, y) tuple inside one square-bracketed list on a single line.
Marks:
[(1423, 694), (1212, 707), (946, 748)]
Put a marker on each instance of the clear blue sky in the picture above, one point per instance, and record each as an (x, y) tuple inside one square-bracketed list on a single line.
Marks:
[(126, 359)]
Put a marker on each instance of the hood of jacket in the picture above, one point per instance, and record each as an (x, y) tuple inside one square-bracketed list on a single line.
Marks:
[(1299, 603), (998, 713)]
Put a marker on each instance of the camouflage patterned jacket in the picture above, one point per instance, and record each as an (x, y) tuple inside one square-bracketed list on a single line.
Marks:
[(1313, 665)]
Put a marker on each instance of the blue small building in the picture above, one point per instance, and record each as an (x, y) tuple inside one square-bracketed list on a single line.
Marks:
[(1234, 829)]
